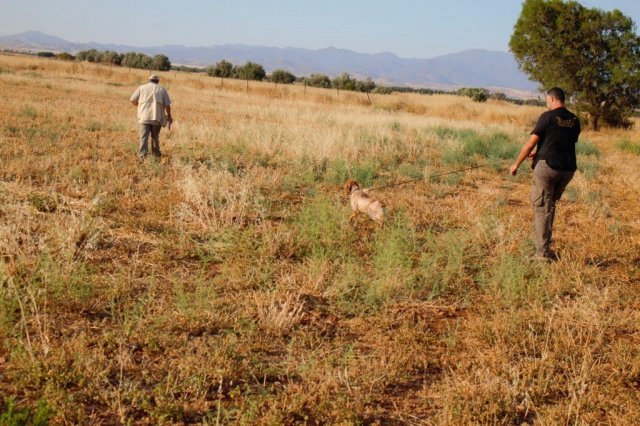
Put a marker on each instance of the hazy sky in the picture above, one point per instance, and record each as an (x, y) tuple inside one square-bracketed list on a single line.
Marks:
[(409, 28)]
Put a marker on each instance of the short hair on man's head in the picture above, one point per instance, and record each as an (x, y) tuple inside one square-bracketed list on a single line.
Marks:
[(557, 93)]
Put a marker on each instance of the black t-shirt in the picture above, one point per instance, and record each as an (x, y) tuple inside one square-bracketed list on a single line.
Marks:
[(558, 130)]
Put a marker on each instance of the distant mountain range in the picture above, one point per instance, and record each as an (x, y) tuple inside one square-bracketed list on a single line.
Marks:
[(471, 68)]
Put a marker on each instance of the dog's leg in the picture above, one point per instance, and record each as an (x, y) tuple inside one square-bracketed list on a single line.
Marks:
[(353, 216)]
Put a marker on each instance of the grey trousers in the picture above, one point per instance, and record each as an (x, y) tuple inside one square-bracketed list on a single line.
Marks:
[(147, 130), (548, 186)]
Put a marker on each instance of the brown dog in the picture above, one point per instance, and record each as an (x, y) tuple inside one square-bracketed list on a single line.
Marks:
[(361, 202)]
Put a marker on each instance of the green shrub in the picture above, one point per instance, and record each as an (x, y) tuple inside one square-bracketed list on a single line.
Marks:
[(496, 146), (411, 171), (588, 168), (443, 265), (14, 416), (44, 203), (517, 281), (364, 173), (337, 172), (586, 148), (464, 146), (395, 247), (348, 287), (628, 146), (323, 228)]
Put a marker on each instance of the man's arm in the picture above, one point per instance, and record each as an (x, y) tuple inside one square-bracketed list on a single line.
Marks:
[(524, 153), (134, 98), (167, 104)]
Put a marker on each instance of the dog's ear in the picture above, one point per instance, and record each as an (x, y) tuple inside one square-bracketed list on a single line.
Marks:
[(349, 184)]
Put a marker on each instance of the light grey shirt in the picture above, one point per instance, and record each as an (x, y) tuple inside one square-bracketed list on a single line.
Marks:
[(152, 99)]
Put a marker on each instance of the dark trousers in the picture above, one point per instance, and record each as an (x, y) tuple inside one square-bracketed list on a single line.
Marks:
[(548, 186), (147, 130)]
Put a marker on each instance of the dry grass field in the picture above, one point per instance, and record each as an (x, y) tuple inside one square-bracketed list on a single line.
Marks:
[(225, 285)]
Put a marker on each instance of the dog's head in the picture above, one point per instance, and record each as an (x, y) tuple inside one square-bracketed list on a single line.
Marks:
[(350, 185)]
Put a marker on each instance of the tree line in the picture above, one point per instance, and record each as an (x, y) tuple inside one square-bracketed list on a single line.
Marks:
[(130, 59), (253, 71), (256, 72)]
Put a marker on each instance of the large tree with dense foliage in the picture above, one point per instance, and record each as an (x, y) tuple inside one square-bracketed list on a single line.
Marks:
[(111, 57), (344, 82), (282, 76), (222, 69), (593, 54), (250, 71), (318, 80), (160, 63), (365, 86)]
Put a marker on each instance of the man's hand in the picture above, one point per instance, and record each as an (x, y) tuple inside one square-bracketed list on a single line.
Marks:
[(524, 153)]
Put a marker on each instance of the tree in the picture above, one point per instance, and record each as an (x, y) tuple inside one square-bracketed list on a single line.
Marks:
[(138, 60), (318, 80), (365, 86), (64, 56), (46, 54), (592, 54), (160, 63), (91, 55), (477, 94), (142, 61), (128, 60), (344, 82), (498, 96), (111, 57), (250, 71), (383, 90), (282, 76), (223, 69)]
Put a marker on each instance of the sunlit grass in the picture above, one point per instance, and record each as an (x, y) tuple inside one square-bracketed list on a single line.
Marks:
[(226, 284)]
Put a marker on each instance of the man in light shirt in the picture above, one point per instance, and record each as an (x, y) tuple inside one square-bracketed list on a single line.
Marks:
[(152, 101)]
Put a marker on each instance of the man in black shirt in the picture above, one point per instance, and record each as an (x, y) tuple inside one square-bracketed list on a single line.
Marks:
[(554, 163)]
